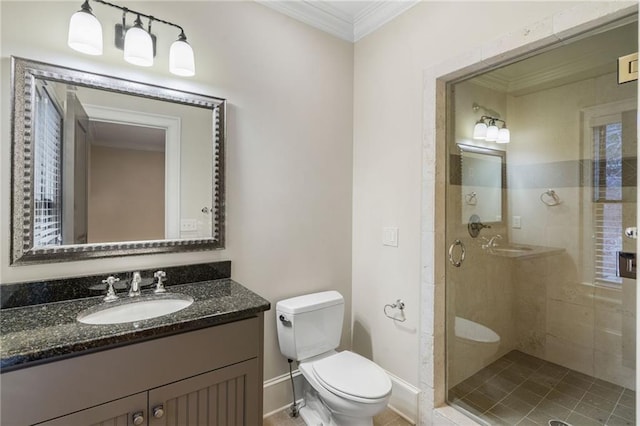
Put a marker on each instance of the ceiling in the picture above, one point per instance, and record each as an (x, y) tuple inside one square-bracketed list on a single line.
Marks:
[(588, 57), (348, 20)]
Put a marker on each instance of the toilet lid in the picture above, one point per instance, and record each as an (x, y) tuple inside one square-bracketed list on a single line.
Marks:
[(353, 375)]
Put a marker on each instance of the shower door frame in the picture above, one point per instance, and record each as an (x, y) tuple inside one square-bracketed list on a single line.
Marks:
[(514, 46)]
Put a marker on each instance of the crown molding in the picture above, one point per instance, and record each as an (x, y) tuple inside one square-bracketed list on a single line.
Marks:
[(317, 14), (326, 17), (377, 14)]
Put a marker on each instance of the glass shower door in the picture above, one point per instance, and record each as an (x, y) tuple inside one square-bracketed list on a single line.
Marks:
[(540, 325)]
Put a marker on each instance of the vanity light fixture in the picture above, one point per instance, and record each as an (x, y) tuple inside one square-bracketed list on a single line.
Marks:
[(487, 129), (85, 31), (85, 35)]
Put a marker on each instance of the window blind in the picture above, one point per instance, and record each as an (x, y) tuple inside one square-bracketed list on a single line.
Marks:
[(607, 202), (47, 226)]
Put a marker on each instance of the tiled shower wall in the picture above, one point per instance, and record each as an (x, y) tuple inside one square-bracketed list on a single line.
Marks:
[(561, 315)]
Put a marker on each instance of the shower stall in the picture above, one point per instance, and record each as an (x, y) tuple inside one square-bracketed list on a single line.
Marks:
[(540, 284)]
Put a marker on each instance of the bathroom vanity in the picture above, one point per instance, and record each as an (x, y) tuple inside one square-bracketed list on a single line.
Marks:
[(201, 365)]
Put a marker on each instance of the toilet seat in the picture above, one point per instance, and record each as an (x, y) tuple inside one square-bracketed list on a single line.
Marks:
[(353, 377)]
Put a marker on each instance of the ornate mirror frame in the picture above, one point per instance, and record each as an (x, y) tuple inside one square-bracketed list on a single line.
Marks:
[(23, 78)]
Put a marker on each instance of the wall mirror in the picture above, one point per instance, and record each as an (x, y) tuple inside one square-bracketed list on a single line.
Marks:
[(483, 180), (110, 167)]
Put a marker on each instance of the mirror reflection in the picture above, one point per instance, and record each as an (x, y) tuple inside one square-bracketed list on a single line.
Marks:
[(482, 173), (110, 167)]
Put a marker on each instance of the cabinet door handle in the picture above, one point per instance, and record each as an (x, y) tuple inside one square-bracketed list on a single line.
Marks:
[(138, 418), (158, 411)]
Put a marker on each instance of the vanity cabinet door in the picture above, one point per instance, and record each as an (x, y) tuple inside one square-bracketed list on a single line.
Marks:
[(227, 396), (120, 412)]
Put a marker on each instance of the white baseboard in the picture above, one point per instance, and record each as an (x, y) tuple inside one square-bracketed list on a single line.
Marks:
[(404, 399), (277, 395), (277, 392)]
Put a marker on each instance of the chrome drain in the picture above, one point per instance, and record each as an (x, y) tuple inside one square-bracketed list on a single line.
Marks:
[(558, 423)]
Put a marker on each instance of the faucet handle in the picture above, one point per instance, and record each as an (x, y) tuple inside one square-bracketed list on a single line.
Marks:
[(160, 275), (111, 294)]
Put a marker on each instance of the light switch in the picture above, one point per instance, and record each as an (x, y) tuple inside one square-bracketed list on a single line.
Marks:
[(390, 237), (515, 222)]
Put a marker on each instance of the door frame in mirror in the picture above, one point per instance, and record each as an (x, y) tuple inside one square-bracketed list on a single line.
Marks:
[(24, 73)]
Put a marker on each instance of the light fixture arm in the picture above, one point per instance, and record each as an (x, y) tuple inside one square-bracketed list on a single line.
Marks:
[(491, 120), (127, 10)]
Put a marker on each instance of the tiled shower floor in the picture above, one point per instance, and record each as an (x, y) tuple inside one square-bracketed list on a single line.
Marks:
[(519, 389)]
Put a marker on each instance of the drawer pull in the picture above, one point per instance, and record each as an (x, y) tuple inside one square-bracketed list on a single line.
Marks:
[(158, 411), (138, 418)]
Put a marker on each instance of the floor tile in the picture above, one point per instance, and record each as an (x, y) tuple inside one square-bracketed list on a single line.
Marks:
[(553, 369), (506, 414), (599, 402), (528, 391), (491, 391), (536, 388), (592, 412), (481, 400), (518, 404), (577, 419), (627, 399), (570, 390), (628, 413), (527, 396), (576, 381), (554, 410), (527, 422), (545, 379), (562, 399), (608, 385), (541, 417), (610, 394), (619, 421)]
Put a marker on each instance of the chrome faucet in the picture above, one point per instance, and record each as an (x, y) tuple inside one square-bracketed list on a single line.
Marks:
[(135, 285), (492, 242)]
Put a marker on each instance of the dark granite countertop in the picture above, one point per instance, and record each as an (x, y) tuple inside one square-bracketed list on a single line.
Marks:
[(47, 332)]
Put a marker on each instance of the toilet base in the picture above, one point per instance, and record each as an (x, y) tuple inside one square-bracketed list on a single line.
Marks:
[(315, 413)]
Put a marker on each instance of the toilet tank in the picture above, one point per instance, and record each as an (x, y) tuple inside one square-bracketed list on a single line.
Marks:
[(309, 325)]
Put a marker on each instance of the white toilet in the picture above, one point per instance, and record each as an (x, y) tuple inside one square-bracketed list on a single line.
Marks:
[(348, 389)]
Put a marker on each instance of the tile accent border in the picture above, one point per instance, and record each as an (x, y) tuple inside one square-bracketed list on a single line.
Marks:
[(552, 30)]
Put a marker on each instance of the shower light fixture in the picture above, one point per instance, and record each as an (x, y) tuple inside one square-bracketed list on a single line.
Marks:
[(85, 35)]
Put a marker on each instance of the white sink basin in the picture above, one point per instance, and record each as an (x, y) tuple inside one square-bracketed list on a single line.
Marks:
[(135, 309)]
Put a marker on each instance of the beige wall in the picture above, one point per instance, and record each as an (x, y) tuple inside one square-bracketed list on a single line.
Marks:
[(388, 131), (289, 157), (126, 197)]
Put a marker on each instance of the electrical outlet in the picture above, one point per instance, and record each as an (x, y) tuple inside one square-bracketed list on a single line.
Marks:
[(188, 225)]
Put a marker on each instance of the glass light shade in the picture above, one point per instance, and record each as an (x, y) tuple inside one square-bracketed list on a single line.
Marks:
[(181, 60), (492, 133), (504, 136), (138, 47), (85, 33), (480, 130)]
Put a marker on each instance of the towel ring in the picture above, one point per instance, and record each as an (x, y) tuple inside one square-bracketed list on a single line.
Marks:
[(398, 305), (550, 198)]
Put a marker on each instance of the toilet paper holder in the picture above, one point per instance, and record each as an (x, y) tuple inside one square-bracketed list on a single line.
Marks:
[(398, 305)]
